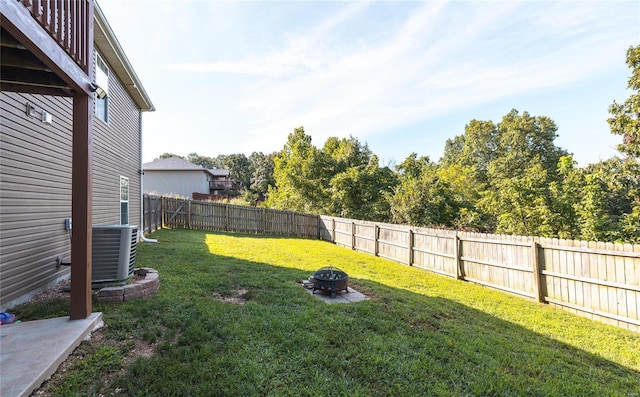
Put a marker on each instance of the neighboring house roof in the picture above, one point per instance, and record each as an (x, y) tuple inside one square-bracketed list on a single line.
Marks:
[(108, 45), (172, 164), (179, 164)]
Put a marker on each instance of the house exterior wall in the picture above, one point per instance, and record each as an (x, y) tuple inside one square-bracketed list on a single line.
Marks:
[(35, 184), (175, 183), (116, 152), (35, 193)]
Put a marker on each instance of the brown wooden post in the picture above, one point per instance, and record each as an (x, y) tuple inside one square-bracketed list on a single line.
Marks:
[(162, 218), (333, 230), (81, 197), (535, 265), (188, 214), (146, 213), (376, 237), (226, 217), (353, 235), (411, 239), (456, 256)]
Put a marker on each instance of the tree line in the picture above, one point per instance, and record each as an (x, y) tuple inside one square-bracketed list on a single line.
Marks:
[(506, 177)]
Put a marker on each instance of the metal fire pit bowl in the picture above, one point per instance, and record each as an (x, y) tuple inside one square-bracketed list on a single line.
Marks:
[(330, 279)]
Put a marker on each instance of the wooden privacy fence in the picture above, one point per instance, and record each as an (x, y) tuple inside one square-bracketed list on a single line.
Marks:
[(207, 215), (594, 279), (152, 213)]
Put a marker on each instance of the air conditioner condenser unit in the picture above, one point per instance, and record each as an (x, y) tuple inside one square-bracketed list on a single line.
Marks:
[(113, 254)]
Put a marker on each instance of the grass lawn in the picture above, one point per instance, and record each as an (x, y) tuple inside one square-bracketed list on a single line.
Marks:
[(420, 334)]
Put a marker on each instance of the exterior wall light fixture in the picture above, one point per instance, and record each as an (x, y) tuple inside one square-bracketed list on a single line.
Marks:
[(100, 92)]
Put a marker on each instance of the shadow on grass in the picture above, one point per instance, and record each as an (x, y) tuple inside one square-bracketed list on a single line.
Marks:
[(283, 341)]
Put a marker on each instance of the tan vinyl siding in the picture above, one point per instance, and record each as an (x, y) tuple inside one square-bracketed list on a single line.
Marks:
[(116, 152), (35, 193), (35, 184)]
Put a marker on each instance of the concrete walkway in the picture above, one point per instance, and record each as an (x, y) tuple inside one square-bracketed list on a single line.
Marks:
[(31, 351)]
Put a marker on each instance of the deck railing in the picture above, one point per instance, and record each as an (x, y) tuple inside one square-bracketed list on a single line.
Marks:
[(68, 22), (222, 185)]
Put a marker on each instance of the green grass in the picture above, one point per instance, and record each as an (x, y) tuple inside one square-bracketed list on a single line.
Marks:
[(420, 334)]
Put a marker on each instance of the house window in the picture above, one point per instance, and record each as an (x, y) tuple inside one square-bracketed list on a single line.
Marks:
[(102, 80), (124, 200)]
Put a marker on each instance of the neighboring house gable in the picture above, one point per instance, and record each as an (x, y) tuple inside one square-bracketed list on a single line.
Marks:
[(36, 170)]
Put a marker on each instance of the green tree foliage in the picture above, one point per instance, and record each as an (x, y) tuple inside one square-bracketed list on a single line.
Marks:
[(261, 166), (506, 173), (238, 166), (346, 153), (609, 205), (360, 192), (166, 156), (203, 161), (466, 192), (519, 175), (423, 197), (358, 186), (300, 176), (625, 120), (566, 195), (476, 149), (522, 204), (344, 178), (517, 181)]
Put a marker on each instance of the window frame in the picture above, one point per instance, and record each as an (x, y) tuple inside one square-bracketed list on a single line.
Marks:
[(124, 200), (103, 75)]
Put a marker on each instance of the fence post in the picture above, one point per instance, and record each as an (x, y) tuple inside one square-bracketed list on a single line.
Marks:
[(145, 214), (226, 217), (535, 264), (163, 205), (353, 235), (411, 239), (376, 245), (188, 214), (333, 230), (150, 213), (456, 256)]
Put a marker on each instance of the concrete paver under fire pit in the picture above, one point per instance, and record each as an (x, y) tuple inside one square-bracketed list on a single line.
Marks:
[(341, 296)]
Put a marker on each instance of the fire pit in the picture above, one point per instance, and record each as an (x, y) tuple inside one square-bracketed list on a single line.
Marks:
[(330, 279)]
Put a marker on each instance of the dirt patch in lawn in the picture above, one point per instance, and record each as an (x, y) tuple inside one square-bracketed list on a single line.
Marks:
[(238, 297)]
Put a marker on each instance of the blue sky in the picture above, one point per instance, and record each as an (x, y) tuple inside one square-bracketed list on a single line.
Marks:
[(238, 77)]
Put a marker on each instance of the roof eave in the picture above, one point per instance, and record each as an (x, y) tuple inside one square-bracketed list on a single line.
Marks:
[(106, 41)]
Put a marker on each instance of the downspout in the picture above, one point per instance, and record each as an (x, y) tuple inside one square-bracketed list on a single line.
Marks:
[(141, 229)]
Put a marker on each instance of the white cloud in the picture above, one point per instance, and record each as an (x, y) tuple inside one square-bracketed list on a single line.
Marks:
[(442, 58)]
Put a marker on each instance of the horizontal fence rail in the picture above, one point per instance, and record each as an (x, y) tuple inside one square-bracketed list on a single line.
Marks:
[(593, 279)]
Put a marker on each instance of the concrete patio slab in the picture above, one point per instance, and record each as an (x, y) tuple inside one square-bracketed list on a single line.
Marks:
[(31, 351), (341, 296)]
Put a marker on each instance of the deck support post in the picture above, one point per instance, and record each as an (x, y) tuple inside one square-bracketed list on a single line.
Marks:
[(81, 198)]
